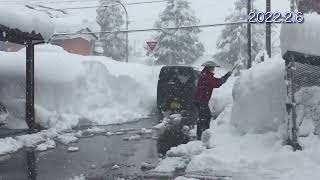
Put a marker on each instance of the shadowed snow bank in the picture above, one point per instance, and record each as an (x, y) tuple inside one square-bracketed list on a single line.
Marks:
[(99, 89)]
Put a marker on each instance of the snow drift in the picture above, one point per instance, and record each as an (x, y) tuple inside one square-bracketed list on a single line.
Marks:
[(27, 20), (259, 98), (308, 110), (303, 38), (94, 88)]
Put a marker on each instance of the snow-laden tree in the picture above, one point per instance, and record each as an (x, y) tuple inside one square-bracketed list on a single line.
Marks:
[(308, 6), (110, 18), (180, 46), (232, 43)]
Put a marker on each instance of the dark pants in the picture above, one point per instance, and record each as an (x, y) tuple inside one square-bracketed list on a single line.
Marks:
[(204, 117)]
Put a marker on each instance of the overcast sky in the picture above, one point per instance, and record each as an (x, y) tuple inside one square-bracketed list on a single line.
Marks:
[(144, 15)]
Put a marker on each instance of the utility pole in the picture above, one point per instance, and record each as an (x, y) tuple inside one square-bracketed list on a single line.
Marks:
[(249, 36), (127, 26), (292, 5), (30, 113), (268, 30)]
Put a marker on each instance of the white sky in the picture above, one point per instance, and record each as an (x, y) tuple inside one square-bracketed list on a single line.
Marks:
[(144, 15)]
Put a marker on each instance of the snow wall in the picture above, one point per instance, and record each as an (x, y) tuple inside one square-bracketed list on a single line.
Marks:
[(308, 110), (259, 98), (303, 38), (99, 89)]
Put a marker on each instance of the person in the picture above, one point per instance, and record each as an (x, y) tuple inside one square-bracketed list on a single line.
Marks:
[(206, 83)]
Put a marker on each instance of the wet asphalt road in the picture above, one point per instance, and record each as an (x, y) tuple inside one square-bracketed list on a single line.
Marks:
[(97, 155)]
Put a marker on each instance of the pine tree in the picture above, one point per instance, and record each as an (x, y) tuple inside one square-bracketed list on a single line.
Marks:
[(180, 46), (110, 19), (232, 43)]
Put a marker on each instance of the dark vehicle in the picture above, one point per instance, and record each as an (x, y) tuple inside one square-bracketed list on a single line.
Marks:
[(175, 93), (176, 88)]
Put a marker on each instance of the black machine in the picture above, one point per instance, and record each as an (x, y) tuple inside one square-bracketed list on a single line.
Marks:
[(175, 92)]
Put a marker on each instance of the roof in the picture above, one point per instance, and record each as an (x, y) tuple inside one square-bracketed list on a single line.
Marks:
[(25, 24), (74, 24), (301, 38), (88, 37)]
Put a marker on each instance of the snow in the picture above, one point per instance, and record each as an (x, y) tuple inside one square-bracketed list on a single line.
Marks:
[(81, 177), (306, 36), (9, 145), (27, 20), (49, 144), (109, 133), (259, 151), (146, 131), (255, 156), (96, 130), (308, 111), (111, 93), (115, 167), (171, 164), (67, 138), (131, 138), (259, 98), (222, 97), (73, 149), (186, 150), (184, 178), (147, 166)]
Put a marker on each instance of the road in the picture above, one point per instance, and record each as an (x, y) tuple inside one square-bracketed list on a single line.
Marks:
[(95, 159)]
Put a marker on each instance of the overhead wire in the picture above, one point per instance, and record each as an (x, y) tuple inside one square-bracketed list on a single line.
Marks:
[(153, 29)]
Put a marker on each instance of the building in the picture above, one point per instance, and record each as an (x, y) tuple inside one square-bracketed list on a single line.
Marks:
[(82, 44)]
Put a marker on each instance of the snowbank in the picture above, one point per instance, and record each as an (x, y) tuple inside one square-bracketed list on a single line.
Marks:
[(171, 164), (69, 87), (303, 38), (222, 97), (308, 110), (259, 98), (187, 150), (255, 156), (27, 20)]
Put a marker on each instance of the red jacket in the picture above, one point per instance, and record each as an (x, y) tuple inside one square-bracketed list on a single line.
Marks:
[(206, 83)]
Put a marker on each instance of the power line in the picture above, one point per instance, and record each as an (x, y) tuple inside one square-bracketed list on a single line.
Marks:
[(153, 29), (136, 3), (53, 2)]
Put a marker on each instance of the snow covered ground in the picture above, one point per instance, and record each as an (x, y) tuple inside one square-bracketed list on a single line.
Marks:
[(71, 88), (235, 145), (96, 88)]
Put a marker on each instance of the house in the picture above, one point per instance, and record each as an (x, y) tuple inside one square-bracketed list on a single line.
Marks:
[(82, 44)]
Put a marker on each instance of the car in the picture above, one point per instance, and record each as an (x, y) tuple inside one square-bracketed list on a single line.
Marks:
[(175, 92)]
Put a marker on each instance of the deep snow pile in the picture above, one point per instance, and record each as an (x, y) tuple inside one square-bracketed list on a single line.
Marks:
[(259, 98), (303, 38), (69, 87), (255, 156), (262, 155), (27, 20), (308, 110)]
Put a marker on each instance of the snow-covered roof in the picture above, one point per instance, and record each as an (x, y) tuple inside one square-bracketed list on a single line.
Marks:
[(302, 38), (74, 24), (27, 20)]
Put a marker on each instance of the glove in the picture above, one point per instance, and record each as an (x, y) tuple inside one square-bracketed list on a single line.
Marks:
[(229, 74), (226, 76)]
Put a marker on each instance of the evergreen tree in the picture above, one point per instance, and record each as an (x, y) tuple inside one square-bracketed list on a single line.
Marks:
[(308, 6), (232, 43), (180, 46), (110, 19)]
